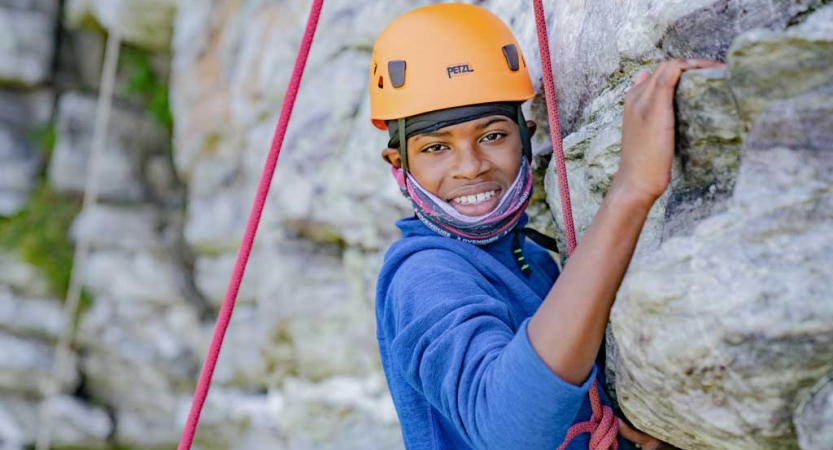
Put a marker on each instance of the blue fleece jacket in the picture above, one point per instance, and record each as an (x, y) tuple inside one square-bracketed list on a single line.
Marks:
[(451, 324)]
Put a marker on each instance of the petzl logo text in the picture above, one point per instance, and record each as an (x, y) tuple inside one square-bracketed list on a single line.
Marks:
[(459, 69)]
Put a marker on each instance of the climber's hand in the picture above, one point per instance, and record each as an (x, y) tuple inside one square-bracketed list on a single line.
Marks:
[(642, 440), (648, 128)]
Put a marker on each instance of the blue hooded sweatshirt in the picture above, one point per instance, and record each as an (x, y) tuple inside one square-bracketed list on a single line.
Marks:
[(451, 324)]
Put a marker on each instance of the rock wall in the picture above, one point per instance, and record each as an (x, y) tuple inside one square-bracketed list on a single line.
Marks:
[(299, 368), (724, 330)]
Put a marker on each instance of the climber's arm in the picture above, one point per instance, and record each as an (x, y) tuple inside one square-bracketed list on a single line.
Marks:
[(568, 328)]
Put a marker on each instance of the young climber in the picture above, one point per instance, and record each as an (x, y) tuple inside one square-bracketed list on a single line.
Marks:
[(483, 343)]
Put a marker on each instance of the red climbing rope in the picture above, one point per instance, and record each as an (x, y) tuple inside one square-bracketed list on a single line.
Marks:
[(603, 425), (555, 127), (251, 228)]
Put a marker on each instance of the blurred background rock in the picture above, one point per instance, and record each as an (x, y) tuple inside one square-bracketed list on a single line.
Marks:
[(199, 87)]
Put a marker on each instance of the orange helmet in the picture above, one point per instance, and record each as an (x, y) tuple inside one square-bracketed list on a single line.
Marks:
[(443, 56)]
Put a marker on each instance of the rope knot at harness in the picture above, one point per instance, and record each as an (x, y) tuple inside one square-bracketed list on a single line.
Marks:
[(603, 426)]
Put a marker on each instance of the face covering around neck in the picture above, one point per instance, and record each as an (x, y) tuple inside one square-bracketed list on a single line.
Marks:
[(443, 219)]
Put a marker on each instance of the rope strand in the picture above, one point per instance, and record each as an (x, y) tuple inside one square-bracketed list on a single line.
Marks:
[(603, 426), (555, 126), (251, 229), (82, 248)]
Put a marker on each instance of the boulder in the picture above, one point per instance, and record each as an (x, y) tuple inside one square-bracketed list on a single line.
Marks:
[(720, 333), (27, 30), (768, 65), (133, 139)]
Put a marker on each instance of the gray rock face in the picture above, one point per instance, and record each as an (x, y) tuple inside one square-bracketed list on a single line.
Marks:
[(708, 141), (27, 31), (26, 366), (21, 113), (592, 158), (813, 418), (132, 141), (767, 65), (121, 228), (21, 277), (139, 361), (144, 23), (76, 424), (594, 44), (41, 318), (721, 333)]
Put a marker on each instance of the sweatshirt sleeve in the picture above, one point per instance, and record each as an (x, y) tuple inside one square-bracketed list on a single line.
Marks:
[(452, 339)]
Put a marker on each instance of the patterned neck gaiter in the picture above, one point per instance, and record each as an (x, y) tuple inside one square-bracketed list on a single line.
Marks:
[(443, 219)]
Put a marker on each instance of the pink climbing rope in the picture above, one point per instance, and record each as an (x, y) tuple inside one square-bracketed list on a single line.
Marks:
[(251, 228), (603, 426), (555, 127)]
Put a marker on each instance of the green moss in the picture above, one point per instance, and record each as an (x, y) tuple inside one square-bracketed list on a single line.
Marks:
[(38, 233), (44, 138), (144, 82)]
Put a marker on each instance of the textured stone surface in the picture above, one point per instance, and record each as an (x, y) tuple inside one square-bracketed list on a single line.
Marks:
[(26, 365), (766, 65), (213, 273), (144, 23), (592, 158), (708, 141), (341, 412), (21, 276), (721, 332), (27, 34), (37, 317), (140, 359), (21, 114), (135, 277), (814, 416), (76, 424), (226, 119), (132, 139), (594, 44), (118, 227), (311, 317)]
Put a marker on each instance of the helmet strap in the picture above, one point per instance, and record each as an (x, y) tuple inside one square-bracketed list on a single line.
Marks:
[(403, 147), (526, 139)]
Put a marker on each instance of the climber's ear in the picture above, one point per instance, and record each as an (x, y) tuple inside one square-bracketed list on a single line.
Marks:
[(391, 156)]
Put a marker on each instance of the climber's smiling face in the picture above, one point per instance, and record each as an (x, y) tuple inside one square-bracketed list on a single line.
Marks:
[(469, 165)]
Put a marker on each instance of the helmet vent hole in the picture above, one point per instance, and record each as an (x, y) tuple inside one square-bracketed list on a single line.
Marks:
[(375, 66), (396, 71), (510, 52), (381, 83)]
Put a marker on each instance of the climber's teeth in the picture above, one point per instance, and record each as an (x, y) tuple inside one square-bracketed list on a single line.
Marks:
[(474, 199)]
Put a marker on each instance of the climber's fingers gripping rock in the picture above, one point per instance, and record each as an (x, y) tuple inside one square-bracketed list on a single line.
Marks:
[(648, 127), (642, 440)]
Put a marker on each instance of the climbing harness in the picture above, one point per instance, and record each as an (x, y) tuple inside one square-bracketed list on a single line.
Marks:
[(603, 426), (82, 248)]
